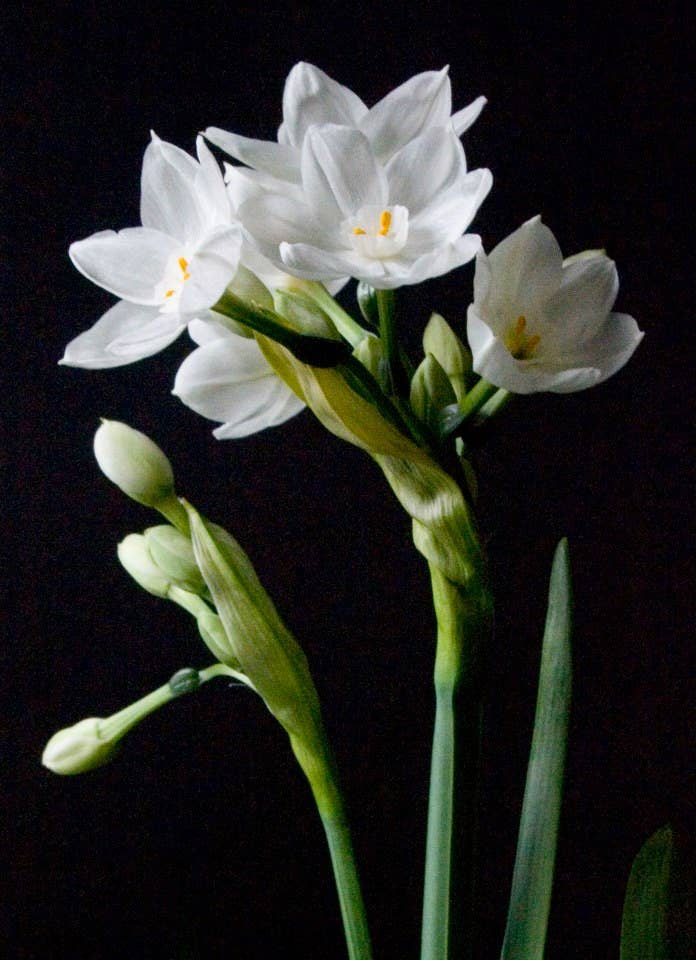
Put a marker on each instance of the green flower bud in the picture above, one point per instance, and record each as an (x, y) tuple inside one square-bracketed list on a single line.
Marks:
[(247, 286), (431, 392), (136, 560), (172, 552), (134, 463), (303, 314), (78, 749), (213, 635), (440, 340), (367, 302), (370, 352), (93, 742)]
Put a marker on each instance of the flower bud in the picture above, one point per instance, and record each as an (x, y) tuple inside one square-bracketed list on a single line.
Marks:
[(370, 353), (134, 463), (367, 302), (304, 315), (136, 559), (440, 340), (431, 392), (172, 552), (78, 749)]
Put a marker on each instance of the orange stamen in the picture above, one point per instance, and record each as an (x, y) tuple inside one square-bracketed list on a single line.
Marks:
[(385, 219)]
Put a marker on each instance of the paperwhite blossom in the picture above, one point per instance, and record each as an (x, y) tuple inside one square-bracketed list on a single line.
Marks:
[(541, 323), (388, 225), (311, 98), (228, 379), (172, 268)]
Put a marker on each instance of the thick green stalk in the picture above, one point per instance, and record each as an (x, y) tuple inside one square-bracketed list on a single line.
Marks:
[(318, 767), (348, 886), (463, 617)]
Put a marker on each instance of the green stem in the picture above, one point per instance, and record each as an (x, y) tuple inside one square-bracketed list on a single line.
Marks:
[(398, 381), (497, 402), (318, 766), (349, 329), (347, 885), (463, 617), (476, 398)]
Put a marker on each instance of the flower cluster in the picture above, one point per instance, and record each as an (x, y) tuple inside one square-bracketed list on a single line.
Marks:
[(380, 194)]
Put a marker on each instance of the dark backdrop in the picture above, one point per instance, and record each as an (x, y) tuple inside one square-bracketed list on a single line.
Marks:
[(201, 841)]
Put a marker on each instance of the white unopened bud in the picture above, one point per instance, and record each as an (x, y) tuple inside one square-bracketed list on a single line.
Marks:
[(134, 463), (78, 749), (136, 560)]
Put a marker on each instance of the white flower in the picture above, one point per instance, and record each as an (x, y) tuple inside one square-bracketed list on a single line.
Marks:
[(169, 270), (228, 379), (388, 225), (541, 323), (311, 98)]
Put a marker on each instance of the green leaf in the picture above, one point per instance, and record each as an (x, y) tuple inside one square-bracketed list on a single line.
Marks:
[(530, 898), (657, 921)]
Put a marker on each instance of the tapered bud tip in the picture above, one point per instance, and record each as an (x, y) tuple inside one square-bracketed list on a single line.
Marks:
[(77, 749), (136, 559), (134, 463)]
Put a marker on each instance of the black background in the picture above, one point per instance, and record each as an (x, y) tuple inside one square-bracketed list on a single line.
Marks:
[(200, 840)]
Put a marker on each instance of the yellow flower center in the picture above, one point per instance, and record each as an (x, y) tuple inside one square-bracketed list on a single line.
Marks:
[(519, 343), (183, 266), (385, 219)]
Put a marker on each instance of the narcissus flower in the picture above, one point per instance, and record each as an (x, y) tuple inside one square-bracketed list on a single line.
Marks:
[(311, 97), (172, 268), (539, 322), (387, 225), (228, 379)]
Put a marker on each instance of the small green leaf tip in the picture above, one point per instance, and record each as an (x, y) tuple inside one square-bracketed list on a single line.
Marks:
[(658, 914), (134, 463)]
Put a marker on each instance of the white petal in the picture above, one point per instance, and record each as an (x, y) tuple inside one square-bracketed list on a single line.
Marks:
[(211, 186), (229, 380), (401, 271), (271, 219), (312, 97), (124, 334), (212, 267), (425, 168), (611, 347), (129, 264), (168, 200), (313, 263), (422, 102), (278, 159), (207, 331), (450, 212), (465, 118), (494, 362), (340, 173), (577, 310), (280, 405), (527, 269)]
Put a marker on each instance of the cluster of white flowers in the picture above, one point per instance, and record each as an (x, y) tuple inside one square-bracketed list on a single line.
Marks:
[(382, 195)]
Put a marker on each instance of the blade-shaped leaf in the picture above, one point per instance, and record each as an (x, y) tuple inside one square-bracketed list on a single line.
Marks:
[(530, 898), (657, 921)]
